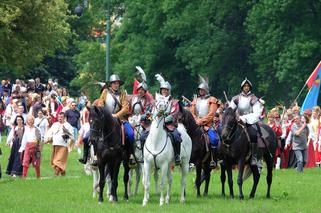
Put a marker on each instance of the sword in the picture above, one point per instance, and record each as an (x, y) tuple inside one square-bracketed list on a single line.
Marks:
[(189, 102), (226, 97)]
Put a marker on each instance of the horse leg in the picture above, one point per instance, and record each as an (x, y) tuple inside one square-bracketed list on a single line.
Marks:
[(101, 167), (114, 170), (240, 178), (269, 166), (230, 180), (146, 182), (156, 180), (207, 174), (126, 179), (138, 174), (115, 181), (198, 179), (162, 183), (109, 184), (130, 182), (223, 178), (95, 181), (169, 184), (184, 166), (256, 178)]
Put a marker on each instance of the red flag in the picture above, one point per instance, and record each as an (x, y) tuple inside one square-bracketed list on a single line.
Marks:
[(312, 77), (135, 87)]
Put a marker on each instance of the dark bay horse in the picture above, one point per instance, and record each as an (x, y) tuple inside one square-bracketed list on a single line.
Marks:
[(200, 157), (106, 130), (235, 150)]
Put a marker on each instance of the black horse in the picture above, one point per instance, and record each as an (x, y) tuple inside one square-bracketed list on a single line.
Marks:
[(200, 156), (106, 131), (235, 149)]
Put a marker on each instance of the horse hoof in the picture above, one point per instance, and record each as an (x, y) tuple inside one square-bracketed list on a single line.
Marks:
[(241, 197), (205, 194), (198, 196), (100, 202), (182, 200), (223, 194), (144, 203), (232, 197), (251, 196), (126, 197), (268, 196), (167, 200)]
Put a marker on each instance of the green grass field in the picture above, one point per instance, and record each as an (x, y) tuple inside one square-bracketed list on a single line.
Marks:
[(291, 192)]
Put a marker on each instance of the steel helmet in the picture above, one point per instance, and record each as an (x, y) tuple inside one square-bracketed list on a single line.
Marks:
[(113, 78), (246, 81)]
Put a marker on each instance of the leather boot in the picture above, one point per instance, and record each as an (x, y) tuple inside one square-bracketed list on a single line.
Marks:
[(213, 163), (254, 153), (177, 152)]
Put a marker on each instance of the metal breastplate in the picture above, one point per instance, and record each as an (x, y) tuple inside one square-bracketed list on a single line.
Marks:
[(202, 107), (111, 104), (137, 105), (244, 106)]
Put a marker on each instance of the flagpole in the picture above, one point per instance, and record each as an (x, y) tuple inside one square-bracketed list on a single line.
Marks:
[(299, 93)]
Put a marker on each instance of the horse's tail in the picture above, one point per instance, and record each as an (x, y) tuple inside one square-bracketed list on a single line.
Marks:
[(247, 172)]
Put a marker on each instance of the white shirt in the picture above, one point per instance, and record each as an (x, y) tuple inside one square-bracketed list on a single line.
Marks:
[(29, 135), (42, 124), (56, 132)]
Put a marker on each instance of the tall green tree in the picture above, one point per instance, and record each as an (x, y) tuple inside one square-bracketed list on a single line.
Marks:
[(30, 30), (286, 45)]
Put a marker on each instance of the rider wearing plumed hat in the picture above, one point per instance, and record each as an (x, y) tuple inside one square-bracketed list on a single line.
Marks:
[(203, 108), (249, 108), (142, 101), (171, 118)]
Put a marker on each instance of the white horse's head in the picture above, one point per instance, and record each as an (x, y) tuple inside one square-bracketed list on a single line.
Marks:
[(162, 105)]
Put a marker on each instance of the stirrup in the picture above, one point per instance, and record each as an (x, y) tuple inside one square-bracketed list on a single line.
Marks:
[(213, 164)]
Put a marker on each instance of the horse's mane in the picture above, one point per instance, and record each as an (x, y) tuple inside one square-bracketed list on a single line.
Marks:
[(188, 117), (228, 112)]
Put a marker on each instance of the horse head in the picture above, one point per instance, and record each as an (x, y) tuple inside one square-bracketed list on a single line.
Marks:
[(229, 123), (162, 105), (96, 124)]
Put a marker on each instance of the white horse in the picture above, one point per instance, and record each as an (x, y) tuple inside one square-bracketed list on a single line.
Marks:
[(158, 152), (93, 170), (135, 123)]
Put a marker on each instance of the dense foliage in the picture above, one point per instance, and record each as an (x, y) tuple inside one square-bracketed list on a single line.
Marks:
[(274, 43)]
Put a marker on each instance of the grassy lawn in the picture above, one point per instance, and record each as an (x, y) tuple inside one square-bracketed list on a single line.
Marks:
[(291, 192)]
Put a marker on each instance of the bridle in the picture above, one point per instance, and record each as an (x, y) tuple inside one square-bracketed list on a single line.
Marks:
[(100, 130), (161, 113)]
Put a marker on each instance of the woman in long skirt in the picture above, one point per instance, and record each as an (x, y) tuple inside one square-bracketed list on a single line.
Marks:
[(14, 167)]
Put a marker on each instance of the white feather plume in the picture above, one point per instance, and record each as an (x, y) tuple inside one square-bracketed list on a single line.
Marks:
[(202, 79), (160, 78), (141, 73), (100, 83)]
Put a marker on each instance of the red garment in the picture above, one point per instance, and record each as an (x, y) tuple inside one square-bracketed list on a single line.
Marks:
[(311, 156), (285, 154), (29, 153), (278, 131)]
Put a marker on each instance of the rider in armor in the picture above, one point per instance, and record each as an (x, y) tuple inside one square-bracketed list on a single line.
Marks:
[(171, 118), (204, 107), (141, 105), (116, 102), (249, 108)]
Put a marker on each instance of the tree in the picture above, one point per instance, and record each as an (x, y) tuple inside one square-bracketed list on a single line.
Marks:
[(286, 45), (30, 30)]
